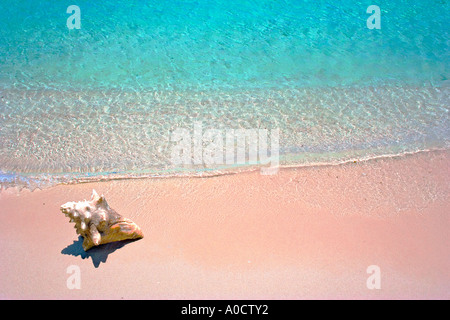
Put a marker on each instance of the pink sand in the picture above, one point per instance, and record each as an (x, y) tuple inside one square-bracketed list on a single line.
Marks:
[(303, 233)]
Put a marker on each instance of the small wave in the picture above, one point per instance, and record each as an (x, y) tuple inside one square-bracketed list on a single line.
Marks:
[(42, 181)]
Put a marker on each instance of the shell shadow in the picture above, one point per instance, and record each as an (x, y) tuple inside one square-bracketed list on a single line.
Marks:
[(97, 254)]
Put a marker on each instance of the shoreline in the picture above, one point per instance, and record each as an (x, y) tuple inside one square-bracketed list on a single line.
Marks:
[(96, 132), (307, 232), (207, 173)]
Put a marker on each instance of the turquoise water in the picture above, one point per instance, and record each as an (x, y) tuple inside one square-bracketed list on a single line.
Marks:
[(105, 100)]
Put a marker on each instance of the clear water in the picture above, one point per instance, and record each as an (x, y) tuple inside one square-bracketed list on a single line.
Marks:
[(104, 100)]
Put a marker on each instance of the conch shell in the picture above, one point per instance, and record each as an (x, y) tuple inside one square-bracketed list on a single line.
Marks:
[(98, 224)]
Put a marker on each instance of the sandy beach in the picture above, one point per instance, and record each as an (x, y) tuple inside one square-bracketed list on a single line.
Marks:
[(303, 233)]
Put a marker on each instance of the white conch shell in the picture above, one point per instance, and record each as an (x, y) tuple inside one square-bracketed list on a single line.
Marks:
[(98, 224)]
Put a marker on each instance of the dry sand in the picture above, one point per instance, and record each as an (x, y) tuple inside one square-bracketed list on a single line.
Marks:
[(303, 233)]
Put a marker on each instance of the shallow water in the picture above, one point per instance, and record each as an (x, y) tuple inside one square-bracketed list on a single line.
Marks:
[(105, 100)]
